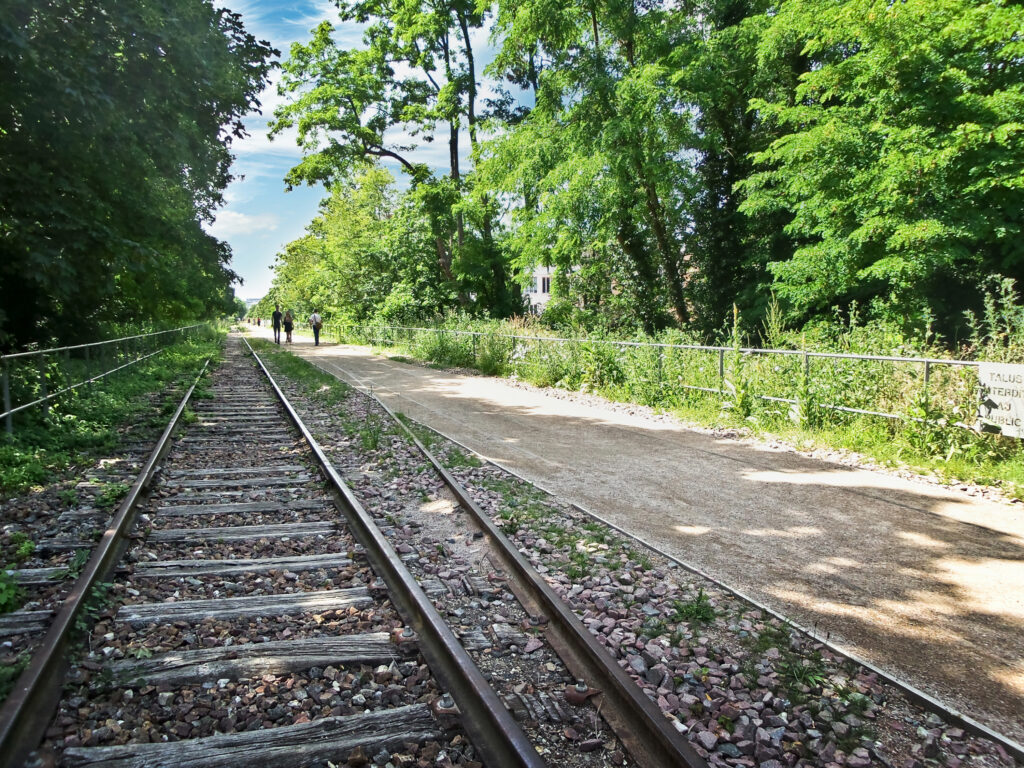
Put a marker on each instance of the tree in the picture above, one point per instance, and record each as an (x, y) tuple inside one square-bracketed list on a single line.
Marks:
[(113, 151), (346, 104), (360, 258), (611, 126), (900, 159), (717, 73)]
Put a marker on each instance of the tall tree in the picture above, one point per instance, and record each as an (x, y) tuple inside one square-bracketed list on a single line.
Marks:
[(603, 93), (902, 155), (717, 72), (113, 151), (361, 257)]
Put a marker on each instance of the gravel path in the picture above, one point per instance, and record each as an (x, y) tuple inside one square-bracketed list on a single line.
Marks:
[(925, 582)]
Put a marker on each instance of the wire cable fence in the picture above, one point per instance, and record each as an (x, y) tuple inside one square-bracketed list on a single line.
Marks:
[(38, 377), (803, 383)]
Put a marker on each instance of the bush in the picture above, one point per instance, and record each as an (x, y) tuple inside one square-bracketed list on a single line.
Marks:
[(493, 353)]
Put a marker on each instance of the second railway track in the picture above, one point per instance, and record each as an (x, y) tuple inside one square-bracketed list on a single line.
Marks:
[(251, 623), (746, 687)]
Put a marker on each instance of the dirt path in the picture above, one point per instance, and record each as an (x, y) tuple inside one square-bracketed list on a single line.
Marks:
[(925, 583)]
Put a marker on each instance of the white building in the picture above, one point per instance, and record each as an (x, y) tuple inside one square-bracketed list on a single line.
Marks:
[(538, 290)]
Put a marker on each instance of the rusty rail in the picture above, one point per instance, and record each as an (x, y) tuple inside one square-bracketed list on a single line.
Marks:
[(636, 720), (27, 711), (492, 729)]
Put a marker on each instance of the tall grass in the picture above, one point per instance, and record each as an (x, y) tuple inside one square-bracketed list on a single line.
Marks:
[(731, 387), (86, 421)]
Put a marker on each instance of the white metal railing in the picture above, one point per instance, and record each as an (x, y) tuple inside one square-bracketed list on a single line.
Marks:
[(125, 345), (373, 334)]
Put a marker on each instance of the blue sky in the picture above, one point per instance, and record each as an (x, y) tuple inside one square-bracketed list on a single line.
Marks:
[(260, 217)]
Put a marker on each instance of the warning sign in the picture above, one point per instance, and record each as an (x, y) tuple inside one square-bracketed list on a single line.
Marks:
[(1002, 398)]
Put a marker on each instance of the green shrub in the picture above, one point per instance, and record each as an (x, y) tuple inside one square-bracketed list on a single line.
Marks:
[(493, 353), (11, 595)]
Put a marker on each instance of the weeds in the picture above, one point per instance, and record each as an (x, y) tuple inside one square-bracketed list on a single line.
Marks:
[(697, 383), (10, 672), (697, 610), (371, 433), (77, 564), (110, 495), (21, 546), (99, 599), (11, 594), (83, 424), (456, 458)]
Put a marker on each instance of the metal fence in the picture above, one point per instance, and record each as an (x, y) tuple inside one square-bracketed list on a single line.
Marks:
[(32, 376), (885, 386)]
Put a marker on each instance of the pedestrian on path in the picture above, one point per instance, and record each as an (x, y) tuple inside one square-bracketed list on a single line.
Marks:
[(289, 321), (276, 317), (316, 323)]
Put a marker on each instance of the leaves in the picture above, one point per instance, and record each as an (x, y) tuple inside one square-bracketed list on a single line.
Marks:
[(113, 152), (900, 158)]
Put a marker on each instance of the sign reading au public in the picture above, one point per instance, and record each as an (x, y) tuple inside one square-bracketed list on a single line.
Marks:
[(1002, 398)]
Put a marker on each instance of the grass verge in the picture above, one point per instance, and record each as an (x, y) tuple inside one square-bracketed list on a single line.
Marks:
[(89, 421)]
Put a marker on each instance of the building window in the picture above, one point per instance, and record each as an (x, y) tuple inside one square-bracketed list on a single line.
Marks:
[(545, 285)]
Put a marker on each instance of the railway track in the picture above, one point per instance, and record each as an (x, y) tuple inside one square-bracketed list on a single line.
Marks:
[(746, 686), (243, 607)]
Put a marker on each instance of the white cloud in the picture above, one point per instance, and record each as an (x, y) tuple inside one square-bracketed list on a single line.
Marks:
[(233, 223)]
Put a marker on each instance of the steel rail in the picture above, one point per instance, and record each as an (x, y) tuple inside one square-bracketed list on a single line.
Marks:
[(636, 720), (925, 700), (490, 726), (26, 713)]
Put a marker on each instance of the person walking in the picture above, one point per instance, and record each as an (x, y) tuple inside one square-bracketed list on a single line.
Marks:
[(316, 323), (289, 321), (276, 317)]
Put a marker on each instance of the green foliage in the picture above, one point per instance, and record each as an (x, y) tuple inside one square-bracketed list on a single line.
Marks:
[(22, 546), (697, 610), (493, 353), (445, 348), (456, 458), (673, 160), (114, 151), (362, 257), (737, 383), (10, 672), (11, 595), (110, 495), (371, 433), (98, 600), (899, 159), (656, 376), (77, 563), (84, 423)]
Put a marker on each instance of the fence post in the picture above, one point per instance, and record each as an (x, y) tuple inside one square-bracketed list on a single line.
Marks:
[(42, 384), (721, 372), (9, 423), (474, 347), (927, 379)]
